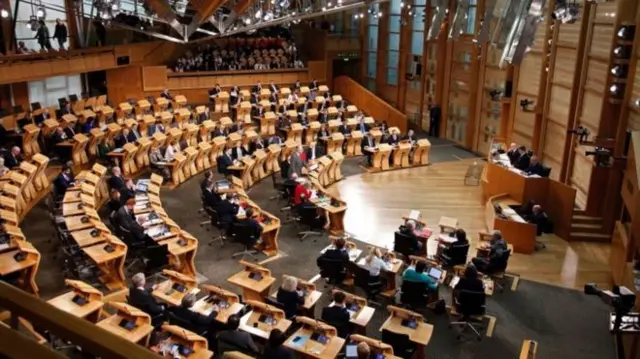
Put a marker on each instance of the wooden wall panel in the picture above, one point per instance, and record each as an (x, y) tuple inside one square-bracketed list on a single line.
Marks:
[(569, 34), (635, 94), (559, 105), (634, 120), (565, 66), (554, 147), (597, 71), (581, 176), (591, 108), (605, 12), (601, 41), (520, 139), (124, 83), (529, 76), (154, 78)]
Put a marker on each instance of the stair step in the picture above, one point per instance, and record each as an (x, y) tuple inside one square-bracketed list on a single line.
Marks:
[(589, 237), (583, 217), (586, 226)]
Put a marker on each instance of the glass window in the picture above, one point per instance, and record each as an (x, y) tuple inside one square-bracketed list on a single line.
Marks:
[(395, 7), (373, 38), (394, 42), (392, 76), (420, 2), (371, 64), (48, 91), (23, 33), (418, 24), (371, 85), (392, 59), (471, 20), (417, 42), (394, 23)]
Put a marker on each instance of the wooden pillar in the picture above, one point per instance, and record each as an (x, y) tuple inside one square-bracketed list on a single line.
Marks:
[(7, 27), (74, 40), (425, 64), (445, 59)]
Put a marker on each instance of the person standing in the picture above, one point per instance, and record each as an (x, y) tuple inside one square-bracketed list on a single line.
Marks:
[(42, 35), (60, 34)]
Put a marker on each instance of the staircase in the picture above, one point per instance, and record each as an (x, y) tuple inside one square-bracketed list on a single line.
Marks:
[(587, 229)]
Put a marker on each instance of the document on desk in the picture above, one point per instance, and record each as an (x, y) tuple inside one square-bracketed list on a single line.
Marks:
[(156, 231), (415, 215), (518, 219), (298, 341), (447, 239), (508, 211), (241, 212)]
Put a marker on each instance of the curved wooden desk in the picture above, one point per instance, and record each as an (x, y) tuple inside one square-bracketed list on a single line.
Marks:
[(515, 230)]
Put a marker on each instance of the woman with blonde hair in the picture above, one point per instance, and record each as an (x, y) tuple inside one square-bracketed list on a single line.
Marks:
[(376, 262), (289, 296)]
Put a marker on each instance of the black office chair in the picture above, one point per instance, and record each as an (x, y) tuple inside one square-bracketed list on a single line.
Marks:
[(227, 347), (414, 295), (308, 217), (247, 236), (402, 345), (546, 171), (176, 320), (215, 223), (403, 245), (470, 307), (497, 268), (274, 302), (363, 280), (455, 255), (334, 271), (135, 248)]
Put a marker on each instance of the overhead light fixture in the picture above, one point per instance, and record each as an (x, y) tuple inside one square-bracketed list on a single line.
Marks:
[(4, 13), (41, 13), (247, 21), (637, 102), (619, 71), (258, 14), (33, 23), (616, 90), (626, 32), (566, 12), (622, 51)]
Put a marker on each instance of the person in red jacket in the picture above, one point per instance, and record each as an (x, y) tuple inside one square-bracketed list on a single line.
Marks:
[(302, 191)]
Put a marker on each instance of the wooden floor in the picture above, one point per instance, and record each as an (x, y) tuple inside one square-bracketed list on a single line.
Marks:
[(377, 201)]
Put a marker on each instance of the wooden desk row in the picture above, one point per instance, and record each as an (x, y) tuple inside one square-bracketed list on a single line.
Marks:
[(126, 321), (404, 155), (23, 186)]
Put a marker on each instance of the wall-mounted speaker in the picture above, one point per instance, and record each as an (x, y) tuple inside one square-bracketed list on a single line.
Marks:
[(122, 60)]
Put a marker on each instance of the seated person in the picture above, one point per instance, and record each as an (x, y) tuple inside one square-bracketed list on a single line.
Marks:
[(523, 159), (316, 220), (171, 150), (367, 145), (63, 181), (336, 255), (208, 175), (314, 152), (497, 251), (417, 274), (13, 158), (513, 153), (225, 161), (238, 151), (375, 262), (251, 221), (157, 161), (535, 168), (449, 255), (116, 181), (468, 281), (234, 339), (227, 209), (141, 298), (407, 230), (537, 217), (275, 348), (198, 322), (126, 219), (114, 203), (128, 191), (337, 315), (210, 197), (301, 191), (289, 296)]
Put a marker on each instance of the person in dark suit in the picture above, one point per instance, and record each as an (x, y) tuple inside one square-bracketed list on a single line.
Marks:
[(297, 85), (314, 151), (116, 181), (257, 88), (257, 112), (251, 222), (498, 248), (66, 108), (523, 159), (313, 86), (238, 151), (63, 181), (362, 127), (513, 153), (393, 139), (208, 176), (126, 219), (410, 136), (434, 121), (367, 144), (273, 88), (336, 255), (213, 94), (289, 296), (234, 339), (165, 94), (236, 127), (224, 162), (210, 197), (468, 281), (256, 144), (323, 116), (275, 348), (407, 230), (13, 158), (535, 168), (141, 298), (537, 217), (275, 140), (128, 191), (344, 129), (68, 130), (227, 209), (198, 321), (114, 203), (337, 315), (219, 131)]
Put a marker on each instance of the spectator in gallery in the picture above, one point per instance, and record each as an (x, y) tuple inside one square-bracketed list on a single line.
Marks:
[(60, 34), (43, 37)]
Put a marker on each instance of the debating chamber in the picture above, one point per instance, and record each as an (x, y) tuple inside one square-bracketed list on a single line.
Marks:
[(279, 179)]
